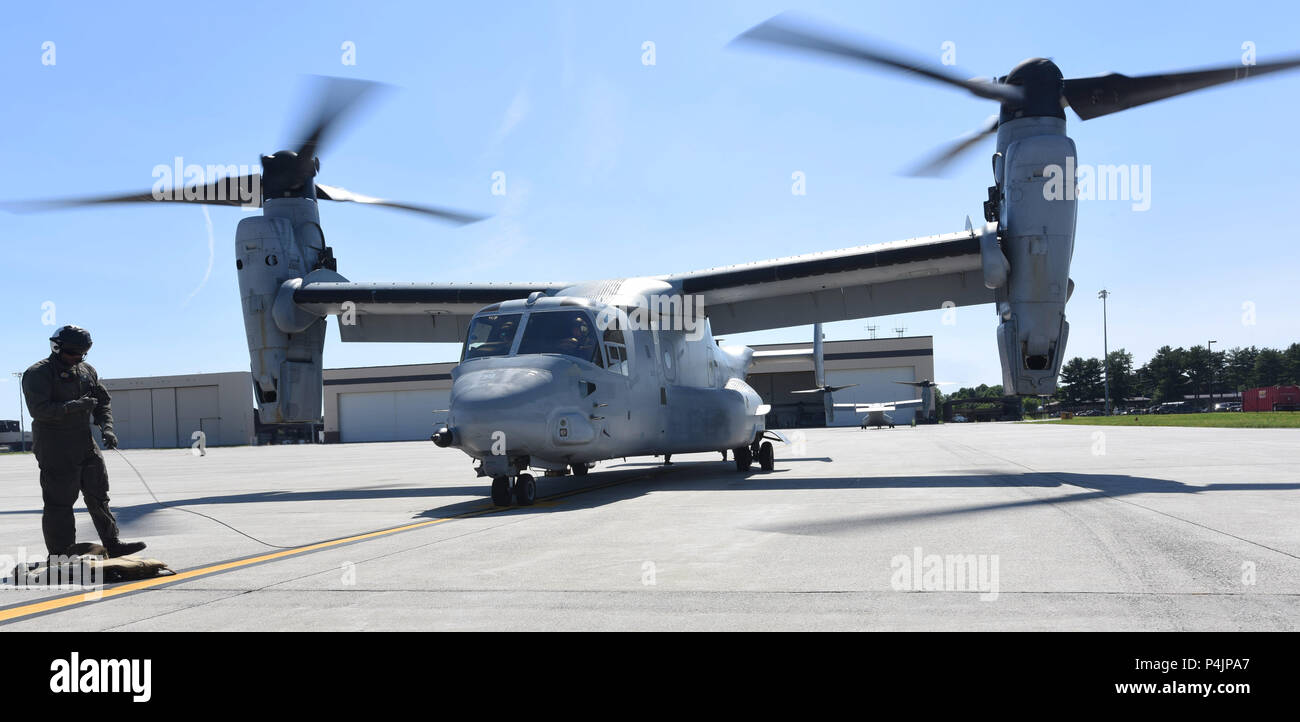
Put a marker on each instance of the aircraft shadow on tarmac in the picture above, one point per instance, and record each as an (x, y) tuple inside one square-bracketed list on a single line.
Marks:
[(129, 514), (621, 482)]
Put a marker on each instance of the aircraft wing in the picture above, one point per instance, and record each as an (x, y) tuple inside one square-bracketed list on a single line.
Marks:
[(429, 312), (880, 406), (784, 353), (888, 278)]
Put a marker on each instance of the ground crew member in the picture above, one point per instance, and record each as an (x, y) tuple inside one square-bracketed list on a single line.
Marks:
[(62, 394)]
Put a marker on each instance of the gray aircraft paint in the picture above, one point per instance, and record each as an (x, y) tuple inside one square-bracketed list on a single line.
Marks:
[(679, 394), (1037, 237)]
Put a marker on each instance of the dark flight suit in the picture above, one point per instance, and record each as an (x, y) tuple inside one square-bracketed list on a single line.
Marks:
[(70, 460)]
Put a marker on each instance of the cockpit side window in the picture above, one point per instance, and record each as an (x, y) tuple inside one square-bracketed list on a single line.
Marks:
[(616, 349), (571, 333), (491, 335)]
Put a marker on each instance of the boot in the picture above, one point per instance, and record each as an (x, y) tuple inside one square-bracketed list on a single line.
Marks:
[(121, 549)]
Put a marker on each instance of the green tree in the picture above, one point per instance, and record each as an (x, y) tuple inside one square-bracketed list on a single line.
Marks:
[(1164, 375), (1199, 364), (1123, 380), (1239, 368), (1270, 367), (1291, 358), (1080, 380)]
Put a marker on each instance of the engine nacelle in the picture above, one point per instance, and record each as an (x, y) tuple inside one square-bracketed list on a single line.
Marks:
[(1037, 223), (287, 367)]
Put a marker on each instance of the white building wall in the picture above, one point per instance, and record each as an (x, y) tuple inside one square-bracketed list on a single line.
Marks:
[(165, 411)]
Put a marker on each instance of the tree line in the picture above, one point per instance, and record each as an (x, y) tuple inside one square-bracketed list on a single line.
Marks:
[(1169, 375), (1173, 373)]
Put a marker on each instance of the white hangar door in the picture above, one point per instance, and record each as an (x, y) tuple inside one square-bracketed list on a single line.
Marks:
[(133, 418), (391, 415), (198, 409)]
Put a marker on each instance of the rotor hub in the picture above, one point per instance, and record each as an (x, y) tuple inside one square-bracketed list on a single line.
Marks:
[(285, 174), (1042, 82)]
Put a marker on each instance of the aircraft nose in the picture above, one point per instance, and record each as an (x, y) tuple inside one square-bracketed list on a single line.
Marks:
[(501, 406), (499, 388)]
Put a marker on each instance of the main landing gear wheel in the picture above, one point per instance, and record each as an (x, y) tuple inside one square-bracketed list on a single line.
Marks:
[(501, 491), (525, 490), (580, 469), (766, 456), (744, 457)]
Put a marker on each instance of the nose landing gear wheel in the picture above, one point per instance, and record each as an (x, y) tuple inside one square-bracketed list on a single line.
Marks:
[(580, 469), (766, 457), (744, 457), (501, 491), (525, 490)]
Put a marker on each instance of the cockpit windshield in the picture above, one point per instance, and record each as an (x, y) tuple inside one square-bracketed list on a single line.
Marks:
[(571, 333), (491, 335)]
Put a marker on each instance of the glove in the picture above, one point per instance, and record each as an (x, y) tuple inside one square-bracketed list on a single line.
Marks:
[(110, 439), (85, 403)]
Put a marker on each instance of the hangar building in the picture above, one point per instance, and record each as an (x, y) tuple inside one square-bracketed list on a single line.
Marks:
[(163, 412), (407, 403)]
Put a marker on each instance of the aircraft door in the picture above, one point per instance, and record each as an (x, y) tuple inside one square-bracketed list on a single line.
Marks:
[(661, 382), (615, 388)]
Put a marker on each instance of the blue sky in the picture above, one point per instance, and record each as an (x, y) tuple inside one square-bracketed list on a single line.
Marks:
[(614, 168)]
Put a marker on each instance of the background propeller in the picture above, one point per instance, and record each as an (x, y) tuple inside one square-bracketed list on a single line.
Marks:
[(285, 174), (335, 98), (786, 31), (926, 383), (1035, 87)]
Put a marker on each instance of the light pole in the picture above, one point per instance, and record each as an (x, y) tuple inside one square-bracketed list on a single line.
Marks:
[(1211, 350), (1105, 349), (22, 420)]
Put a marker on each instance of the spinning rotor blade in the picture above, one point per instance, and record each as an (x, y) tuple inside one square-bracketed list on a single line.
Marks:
[(334, 193), (938, 163), (336, 98), (1106, 94), (782, 31), (284, 174), (826, 389), (233, 191)]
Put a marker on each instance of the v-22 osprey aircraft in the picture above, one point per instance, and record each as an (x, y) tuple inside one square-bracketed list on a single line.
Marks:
[(557, 376)]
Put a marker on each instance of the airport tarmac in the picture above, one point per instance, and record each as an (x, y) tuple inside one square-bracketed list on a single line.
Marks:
[(953, 527)]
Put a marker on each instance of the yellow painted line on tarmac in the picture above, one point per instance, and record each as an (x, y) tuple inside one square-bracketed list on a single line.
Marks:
[(51, 605)]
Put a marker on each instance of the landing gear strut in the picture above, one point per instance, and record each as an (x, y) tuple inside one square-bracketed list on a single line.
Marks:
[(760, 451), (525, 490), (766, 456), (744, 458), (521, 489), (501, 491)]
